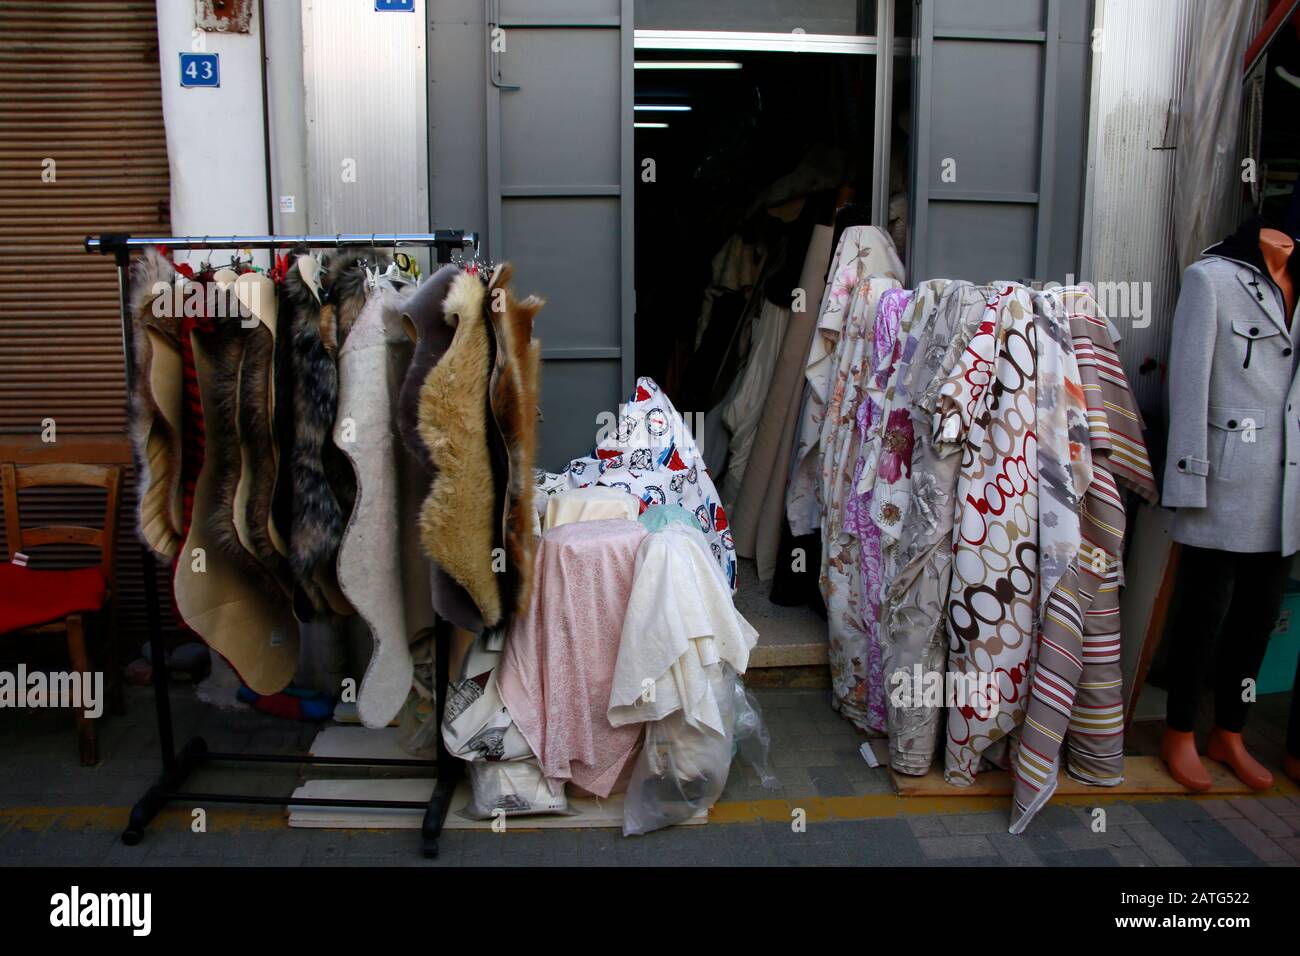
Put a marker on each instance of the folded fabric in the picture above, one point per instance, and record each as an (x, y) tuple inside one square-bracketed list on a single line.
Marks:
[(593, 503), (558, 665), (680, 623), (29, 598)]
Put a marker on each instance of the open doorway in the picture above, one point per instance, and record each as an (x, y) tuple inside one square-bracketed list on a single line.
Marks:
[(752, 136)]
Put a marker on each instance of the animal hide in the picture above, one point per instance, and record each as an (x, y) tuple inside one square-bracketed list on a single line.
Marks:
[(258, 448), (322, 481), (425, 323), (155, 403), (222, 337), (514, 402), (459, 521)]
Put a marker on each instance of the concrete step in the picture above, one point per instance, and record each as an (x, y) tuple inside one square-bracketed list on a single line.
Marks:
[(788, 637)]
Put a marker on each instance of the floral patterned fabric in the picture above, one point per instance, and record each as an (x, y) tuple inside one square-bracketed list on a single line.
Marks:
[(892, 318), (862, 251), (841, 579), (913, 640), (989, 403)]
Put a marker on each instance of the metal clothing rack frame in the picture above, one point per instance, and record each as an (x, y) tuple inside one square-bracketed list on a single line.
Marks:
[(178, 765)]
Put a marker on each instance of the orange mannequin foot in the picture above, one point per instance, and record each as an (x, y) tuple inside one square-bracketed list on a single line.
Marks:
[(1292, 767), (1227, 747), (1178, 751)]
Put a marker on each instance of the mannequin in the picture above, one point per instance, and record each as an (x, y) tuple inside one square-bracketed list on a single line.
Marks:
[(1232, 477), (1277, 247)]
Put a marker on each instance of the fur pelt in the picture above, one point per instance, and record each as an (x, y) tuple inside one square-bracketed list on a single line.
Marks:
[(514, 400), (257, 446), (458, 520), (156, 444), (317, 519), (425, 322)]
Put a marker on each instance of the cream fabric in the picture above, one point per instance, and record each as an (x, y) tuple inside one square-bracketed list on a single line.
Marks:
[(593, 503)]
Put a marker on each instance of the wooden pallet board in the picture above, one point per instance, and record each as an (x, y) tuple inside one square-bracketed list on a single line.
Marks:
[(1142, 775)]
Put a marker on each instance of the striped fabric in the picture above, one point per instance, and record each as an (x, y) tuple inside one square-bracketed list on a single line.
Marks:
[(1076, 697)]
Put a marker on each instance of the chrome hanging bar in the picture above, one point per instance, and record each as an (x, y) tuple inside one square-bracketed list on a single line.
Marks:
[(111, 243)]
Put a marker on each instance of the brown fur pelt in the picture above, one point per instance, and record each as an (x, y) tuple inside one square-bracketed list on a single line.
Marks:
[(156, 445), (257, 445), (458, 523), (514, 401)]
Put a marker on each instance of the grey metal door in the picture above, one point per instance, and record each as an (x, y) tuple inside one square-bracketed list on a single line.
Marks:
[(560, 198), (1001, 101)]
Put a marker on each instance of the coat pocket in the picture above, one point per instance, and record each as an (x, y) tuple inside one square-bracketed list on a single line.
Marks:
[(1233, 440), (1248, 333)]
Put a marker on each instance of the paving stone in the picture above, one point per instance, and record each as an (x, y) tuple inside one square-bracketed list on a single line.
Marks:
[(1291, 845), (930, 826), (1255, 840), (1084, 838), (1204, 843), (1257, 813), (962, 824), (830, 782), (956, 847), (1149, 839), (1100, 856), (1013, 849), (1220, 809), (1130, 856)]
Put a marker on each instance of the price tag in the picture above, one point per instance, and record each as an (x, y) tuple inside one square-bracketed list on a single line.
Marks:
[(200, 69)]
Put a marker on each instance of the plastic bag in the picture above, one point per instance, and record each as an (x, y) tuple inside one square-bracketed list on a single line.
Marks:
[(512, 788), (681, 769), (751, 737)]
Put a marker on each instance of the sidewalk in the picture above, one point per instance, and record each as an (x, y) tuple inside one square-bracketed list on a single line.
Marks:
[(53, 811)]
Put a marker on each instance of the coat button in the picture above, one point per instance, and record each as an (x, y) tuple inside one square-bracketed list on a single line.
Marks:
[(1286, 351), (1232, 423), (1182, 464), (1254, 330)]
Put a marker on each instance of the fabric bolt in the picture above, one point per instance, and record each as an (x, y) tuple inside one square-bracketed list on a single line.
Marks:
[(852, 675), (760, 505), (914, 648), (680, 622), (743, 413), (592, 503), (1082, 614), (893, 317), (862, 251), (557, 669), (988, 403), (653, 456)]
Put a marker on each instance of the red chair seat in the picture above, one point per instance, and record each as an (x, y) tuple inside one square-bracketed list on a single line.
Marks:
[(29, 598)]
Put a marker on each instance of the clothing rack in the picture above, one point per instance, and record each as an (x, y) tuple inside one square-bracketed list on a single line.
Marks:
[(178, 765)]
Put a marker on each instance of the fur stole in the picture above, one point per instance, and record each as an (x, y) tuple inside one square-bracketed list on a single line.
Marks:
[(257, 442), (514, 400), (155, 403), (425, 322), (458, 520)]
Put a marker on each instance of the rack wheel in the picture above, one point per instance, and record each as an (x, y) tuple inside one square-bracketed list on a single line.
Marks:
[(431, 849), (131, 836)]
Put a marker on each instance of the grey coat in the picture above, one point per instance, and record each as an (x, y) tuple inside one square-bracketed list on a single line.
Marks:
[(1233, 470)]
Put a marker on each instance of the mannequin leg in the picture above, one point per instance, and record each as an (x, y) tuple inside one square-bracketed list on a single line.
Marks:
[(1292, 765), (1252, 615), (1205, 585)]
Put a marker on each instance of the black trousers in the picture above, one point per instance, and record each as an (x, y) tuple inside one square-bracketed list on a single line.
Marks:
[(1233, 600)]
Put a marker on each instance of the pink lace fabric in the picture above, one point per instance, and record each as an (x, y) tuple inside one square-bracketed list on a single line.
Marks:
[(558, 666), (885, 347)]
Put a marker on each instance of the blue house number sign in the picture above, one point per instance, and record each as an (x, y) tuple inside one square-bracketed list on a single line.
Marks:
[(394, 6), (200, 69)]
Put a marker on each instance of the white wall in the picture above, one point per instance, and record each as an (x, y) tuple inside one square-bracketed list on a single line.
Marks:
[(214, 136)]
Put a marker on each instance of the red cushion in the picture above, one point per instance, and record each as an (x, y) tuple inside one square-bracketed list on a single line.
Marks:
[(28, 597)]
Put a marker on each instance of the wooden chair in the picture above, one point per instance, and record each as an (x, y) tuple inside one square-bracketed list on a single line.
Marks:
[(16, 477)]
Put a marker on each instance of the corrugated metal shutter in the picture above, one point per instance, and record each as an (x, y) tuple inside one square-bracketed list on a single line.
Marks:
[(79, 85)]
